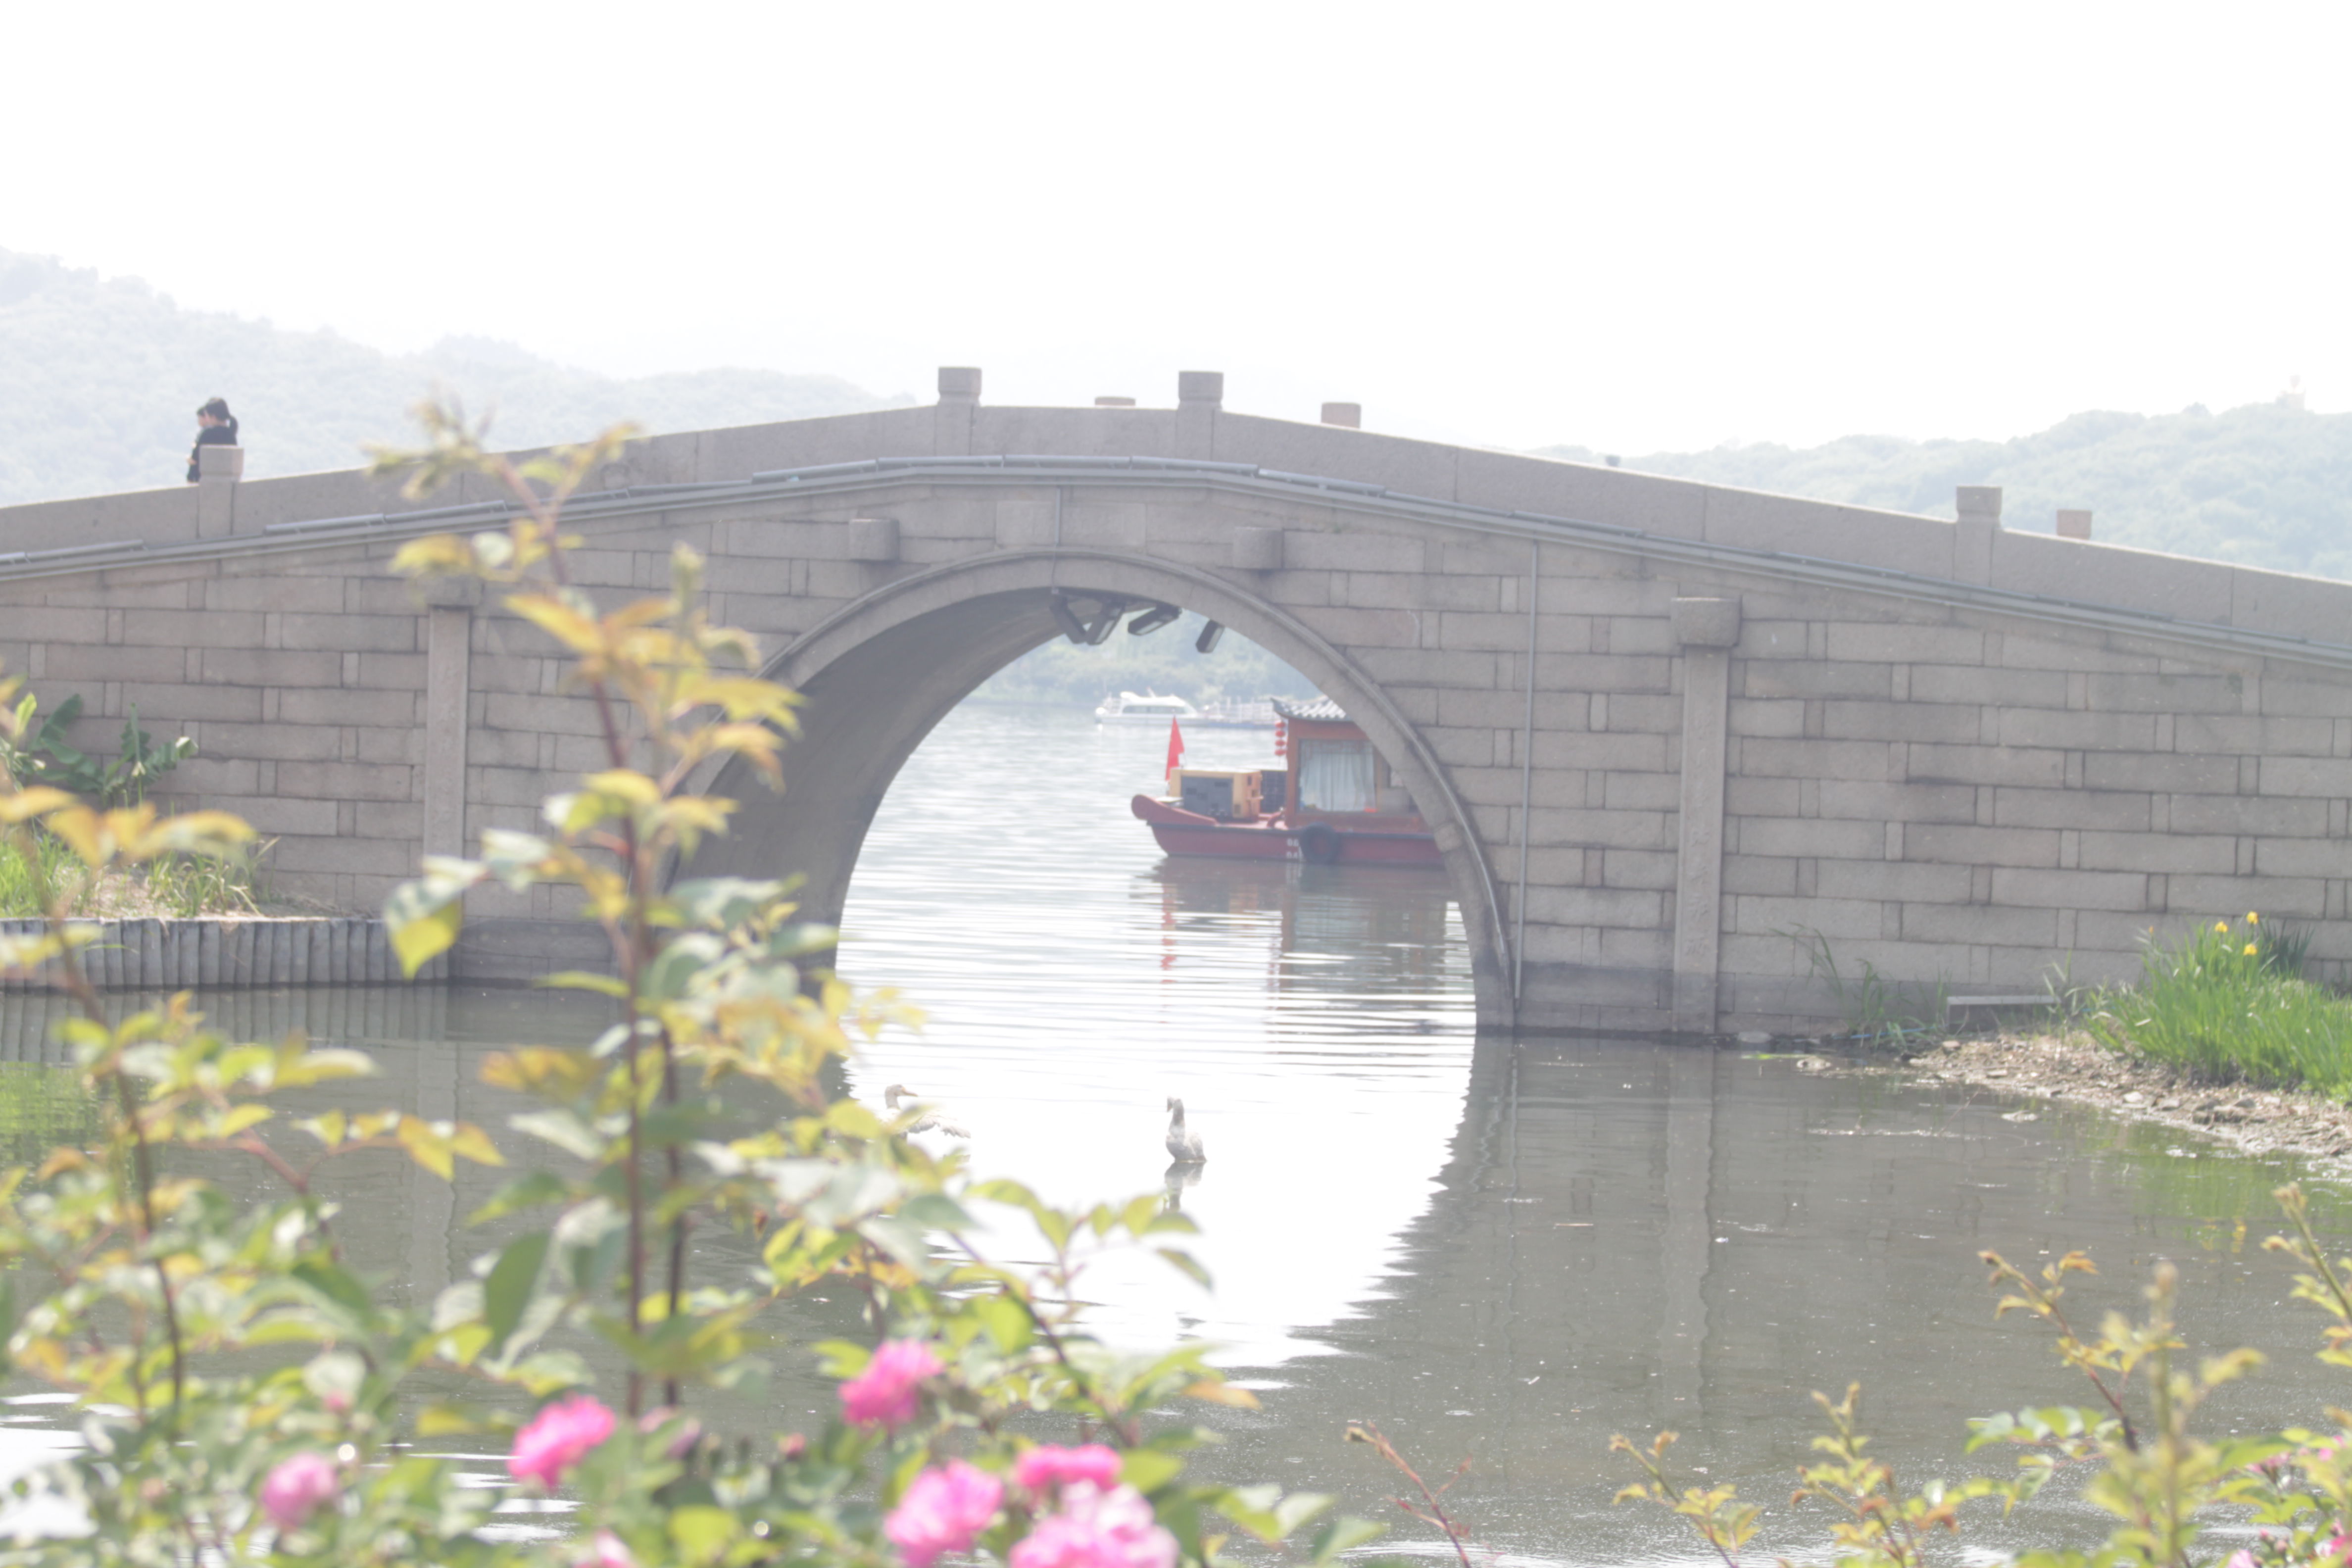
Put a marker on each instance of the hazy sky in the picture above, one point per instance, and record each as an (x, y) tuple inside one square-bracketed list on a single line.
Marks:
[(1634, 226)]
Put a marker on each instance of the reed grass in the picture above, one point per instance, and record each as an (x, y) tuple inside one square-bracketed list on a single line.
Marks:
[(184, 886), (2229, 1004), (52, 874)]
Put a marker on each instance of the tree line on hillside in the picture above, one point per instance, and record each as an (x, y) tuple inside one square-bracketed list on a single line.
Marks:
[(99, 379), (2267, 485), (1063, 674)]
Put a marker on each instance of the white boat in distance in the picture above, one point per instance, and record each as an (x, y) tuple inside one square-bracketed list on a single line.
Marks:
[(1225, 713), (1126, 708)]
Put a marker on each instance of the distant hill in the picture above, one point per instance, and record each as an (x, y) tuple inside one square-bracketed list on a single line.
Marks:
[(2267, 485), (99, 379)]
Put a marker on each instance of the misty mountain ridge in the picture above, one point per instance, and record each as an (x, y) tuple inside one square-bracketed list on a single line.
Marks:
[(99, 379), (2267, 485)]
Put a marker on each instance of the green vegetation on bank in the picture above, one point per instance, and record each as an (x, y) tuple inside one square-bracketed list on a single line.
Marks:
[(104, 375), (43, 873), (2230, 1005), (2268, 485), (1063, 674)]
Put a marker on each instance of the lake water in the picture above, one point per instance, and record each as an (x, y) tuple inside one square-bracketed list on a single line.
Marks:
[(1500, 1250)]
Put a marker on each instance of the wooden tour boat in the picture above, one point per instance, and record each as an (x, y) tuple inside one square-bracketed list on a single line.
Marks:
[(1346, 808)]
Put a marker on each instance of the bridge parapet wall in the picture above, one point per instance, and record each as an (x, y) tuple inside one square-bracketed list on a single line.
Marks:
[(1202, 430)]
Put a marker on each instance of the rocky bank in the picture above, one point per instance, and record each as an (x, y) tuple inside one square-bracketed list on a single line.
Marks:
[(2079, 1070)]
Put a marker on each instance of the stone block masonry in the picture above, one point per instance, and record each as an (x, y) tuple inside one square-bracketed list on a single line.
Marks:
[(1692, 734), (162, 955)]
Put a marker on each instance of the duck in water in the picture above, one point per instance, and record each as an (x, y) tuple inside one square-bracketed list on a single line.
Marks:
[(1183, 1143), (928, 1120)]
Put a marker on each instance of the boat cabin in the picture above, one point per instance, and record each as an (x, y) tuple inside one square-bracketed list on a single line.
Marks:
[(1339, 777)]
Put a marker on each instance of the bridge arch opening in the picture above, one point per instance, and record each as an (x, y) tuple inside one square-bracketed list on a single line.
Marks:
[(881, 673), (1072, 976)]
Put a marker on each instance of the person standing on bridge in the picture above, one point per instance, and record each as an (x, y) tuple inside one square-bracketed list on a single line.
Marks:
[(216, 427)]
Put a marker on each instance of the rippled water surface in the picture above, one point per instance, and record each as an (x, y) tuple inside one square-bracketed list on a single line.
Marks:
[(1506, 1252)]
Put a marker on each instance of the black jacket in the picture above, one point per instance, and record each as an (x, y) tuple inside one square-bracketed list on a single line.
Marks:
[(210, 436)]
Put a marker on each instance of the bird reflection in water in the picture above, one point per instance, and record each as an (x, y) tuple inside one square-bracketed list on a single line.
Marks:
[(1179, 1177)]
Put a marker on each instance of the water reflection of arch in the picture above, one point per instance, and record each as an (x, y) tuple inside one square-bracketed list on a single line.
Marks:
[(879, 675)]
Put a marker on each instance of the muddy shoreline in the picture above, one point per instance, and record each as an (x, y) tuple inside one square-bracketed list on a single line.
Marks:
[(2073, 1069)]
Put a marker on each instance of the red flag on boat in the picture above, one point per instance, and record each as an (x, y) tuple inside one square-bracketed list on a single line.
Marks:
[(1175, 754)]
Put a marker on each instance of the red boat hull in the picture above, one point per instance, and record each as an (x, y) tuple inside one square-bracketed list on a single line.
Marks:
[(1181, 832)]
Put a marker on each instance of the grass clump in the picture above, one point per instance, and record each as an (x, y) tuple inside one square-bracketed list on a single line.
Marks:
[(2230, 1005), (45, 873)]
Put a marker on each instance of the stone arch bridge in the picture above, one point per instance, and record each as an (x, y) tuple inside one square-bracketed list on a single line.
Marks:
[(1672, 737)]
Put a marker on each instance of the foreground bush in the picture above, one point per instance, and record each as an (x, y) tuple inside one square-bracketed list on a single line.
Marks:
[(2134, 1448), (244, 1396), (2228, 1004)]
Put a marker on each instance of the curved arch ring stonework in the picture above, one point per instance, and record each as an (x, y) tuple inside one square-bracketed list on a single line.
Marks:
[(879, 673)]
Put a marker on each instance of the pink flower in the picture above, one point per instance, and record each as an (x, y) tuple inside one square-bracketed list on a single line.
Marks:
[(1098, 1529), (606, 1550), (1040, 1468), (559, 1437), (884, 1394), (295, 1487), (943, 1510)]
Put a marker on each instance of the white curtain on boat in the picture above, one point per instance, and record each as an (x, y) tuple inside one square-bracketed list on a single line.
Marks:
[(1335, 775)]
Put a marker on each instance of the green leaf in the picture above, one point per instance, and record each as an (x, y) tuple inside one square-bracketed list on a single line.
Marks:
[(450, 1420), (701, 1533), (1005, 1321), (529, 1192), (7, 1321), (1184, 1263), (936, 1210), (423, 917), (335, 1282), (551, 1372), (1149, 1469), (513, 1279), (564, 1130), (1298, 1508), (586, 979), (1344, 1533)]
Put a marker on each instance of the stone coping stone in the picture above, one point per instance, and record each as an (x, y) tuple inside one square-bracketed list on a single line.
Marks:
[(161, 953)]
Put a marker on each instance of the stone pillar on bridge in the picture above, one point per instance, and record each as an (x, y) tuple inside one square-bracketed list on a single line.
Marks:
[(958, 398), (1978, 509), (1704, 631), (219, 469), (1199, 394), (448, 692)]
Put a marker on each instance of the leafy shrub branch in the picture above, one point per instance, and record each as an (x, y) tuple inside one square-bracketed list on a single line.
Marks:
[(245, 1394)]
